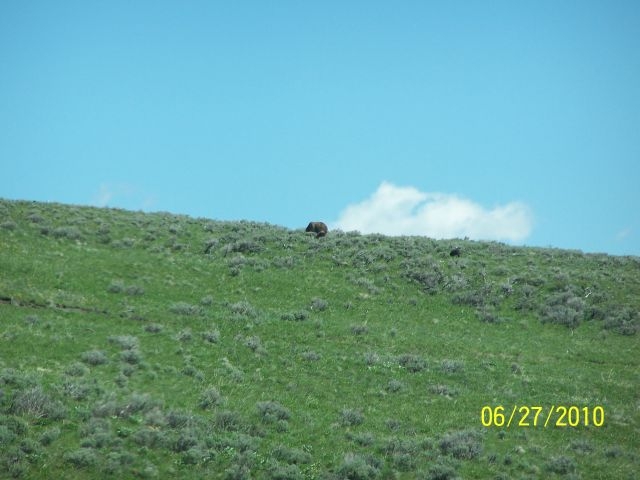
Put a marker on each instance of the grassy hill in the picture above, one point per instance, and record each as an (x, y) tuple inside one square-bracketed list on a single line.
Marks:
[(152, 345)]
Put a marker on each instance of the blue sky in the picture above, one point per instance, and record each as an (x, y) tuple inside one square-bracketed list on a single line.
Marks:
[(513, 121)]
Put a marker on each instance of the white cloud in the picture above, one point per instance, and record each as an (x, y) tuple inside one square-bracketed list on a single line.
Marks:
[(623, 234), (103, 196), (122, 195), (393, 210)]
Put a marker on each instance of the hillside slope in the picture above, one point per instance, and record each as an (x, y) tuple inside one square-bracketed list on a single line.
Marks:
[(156, 345)]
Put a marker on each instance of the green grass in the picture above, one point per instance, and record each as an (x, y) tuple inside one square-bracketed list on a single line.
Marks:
[(155, 345)]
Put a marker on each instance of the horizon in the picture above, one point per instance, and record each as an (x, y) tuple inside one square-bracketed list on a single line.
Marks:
[(502, 122), (302, 227)]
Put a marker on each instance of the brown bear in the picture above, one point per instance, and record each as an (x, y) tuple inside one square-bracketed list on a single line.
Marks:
[(319, 228)]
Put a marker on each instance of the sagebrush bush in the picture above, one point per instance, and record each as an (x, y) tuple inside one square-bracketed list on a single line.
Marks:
[(443, 390), (462, 444), (311, 356), (184, 308), (243, 309), (361, 329), (451, 366), (371, 358), (291, 455), (413, 363), (358, 467), (31, 320), (211, 336), (184, 335), (441, 471), (134, 290), (350, 417), (116, 460), (78, 390), (70, 233), (394, 386), (254, 343), (285, 472), (149, 437), (35, 402), (364, 439), (116, 286), (94, 357), (228, 421), (319, 304), (76, 369), (564, 308), (561, 465), (132, 357), (211, 397), (624, 321), (271, 411), (81, 458), (6, 435), (206, 301), (49, 436), (125, 342), (153, 328), (297, 315)]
